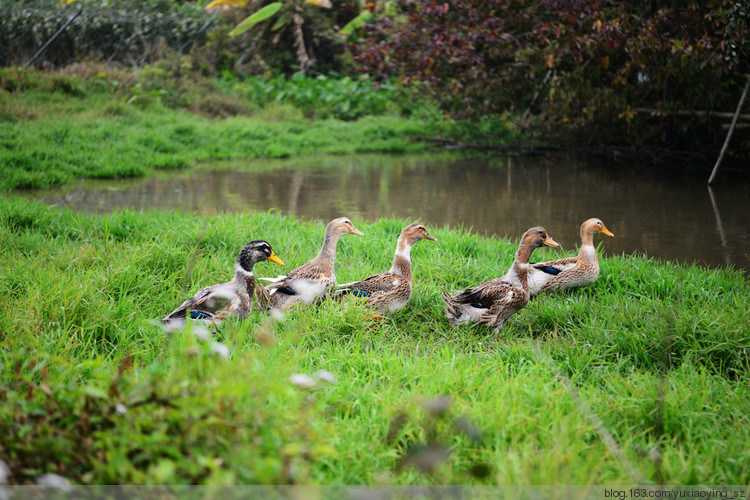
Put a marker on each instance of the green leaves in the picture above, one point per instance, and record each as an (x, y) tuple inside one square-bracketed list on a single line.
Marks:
[(257, 17), (357, 22), (132, 27)]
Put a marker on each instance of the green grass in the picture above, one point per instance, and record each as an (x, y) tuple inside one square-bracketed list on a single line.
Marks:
[(54, 151), (94, 391)]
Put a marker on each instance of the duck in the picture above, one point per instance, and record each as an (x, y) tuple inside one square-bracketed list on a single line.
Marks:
[(581, 270), (314, 280), (390, 291), (492, 303), (234, 299)]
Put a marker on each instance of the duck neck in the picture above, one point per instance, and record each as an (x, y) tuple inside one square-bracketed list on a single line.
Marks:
[(587, 238), (519, 271), (328, 250), (523, 254), (244, 278), (402, 259)]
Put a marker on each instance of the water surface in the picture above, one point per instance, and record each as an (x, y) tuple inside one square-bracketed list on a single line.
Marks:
[(662, 214)]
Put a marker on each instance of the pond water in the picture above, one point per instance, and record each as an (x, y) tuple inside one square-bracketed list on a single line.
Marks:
[(667, 215)]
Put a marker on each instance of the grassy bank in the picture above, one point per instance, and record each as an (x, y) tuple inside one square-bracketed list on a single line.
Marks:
[(94, 391), (56, 127)]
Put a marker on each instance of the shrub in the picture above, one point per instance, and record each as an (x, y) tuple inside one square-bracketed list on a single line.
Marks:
[(327, 96), (579, 69), (128, 31)]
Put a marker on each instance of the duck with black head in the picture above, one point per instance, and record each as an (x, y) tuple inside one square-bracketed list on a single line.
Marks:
[(232, 299)]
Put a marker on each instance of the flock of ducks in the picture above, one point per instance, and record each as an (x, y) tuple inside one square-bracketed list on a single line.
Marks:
[(489, 304)]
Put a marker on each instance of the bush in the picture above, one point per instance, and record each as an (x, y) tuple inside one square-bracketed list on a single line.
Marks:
[(327, 97), (579, 69), (300, 37), (128, 31), (139, 32)]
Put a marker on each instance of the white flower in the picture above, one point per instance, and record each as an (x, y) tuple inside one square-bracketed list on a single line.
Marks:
[(201, 332), (276, 314), (4, 472), (121, 408), (326, 376), (220, 349), (303, 381), (51, 480)]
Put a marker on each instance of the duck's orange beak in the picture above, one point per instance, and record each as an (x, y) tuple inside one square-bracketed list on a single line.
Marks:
[(356, 231), (607, 232), (275, 259), (550, 242)]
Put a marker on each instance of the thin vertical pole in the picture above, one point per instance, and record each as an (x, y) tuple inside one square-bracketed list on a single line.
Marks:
[(731, 131)]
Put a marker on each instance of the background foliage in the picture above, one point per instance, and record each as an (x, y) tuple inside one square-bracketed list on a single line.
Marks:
[(584, 70), (648, 77), (132, 32)]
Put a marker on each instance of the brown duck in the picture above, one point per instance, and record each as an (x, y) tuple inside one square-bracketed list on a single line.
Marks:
[(581, 270), (492, 303), (313, 280), (391, 290)]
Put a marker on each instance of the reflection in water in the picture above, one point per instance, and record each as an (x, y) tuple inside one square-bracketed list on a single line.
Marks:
[(720, 228), (664, 216)]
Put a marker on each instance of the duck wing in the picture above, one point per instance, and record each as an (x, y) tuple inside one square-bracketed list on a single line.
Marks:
[(206, 303), (311, 273), (487, 294), (372, 285), (555, 267)]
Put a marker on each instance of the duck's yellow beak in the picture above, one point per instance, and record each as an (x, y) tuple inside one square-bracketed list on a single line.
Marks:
[(550, 242), (357, 231), (275, 259), (606, 231)]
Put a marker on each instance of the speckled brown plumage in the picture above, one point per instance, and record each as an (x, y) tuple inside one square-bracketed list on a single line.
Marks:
[(231, 299), (315, 279), (581, 270), (492, 303), (390, 291)]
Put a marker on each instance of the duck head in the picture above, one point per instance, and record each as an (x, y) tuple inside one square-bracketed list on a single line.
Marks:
[(593, 226), (254, 252), (532, 239), (343, 226), (415, 232)]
